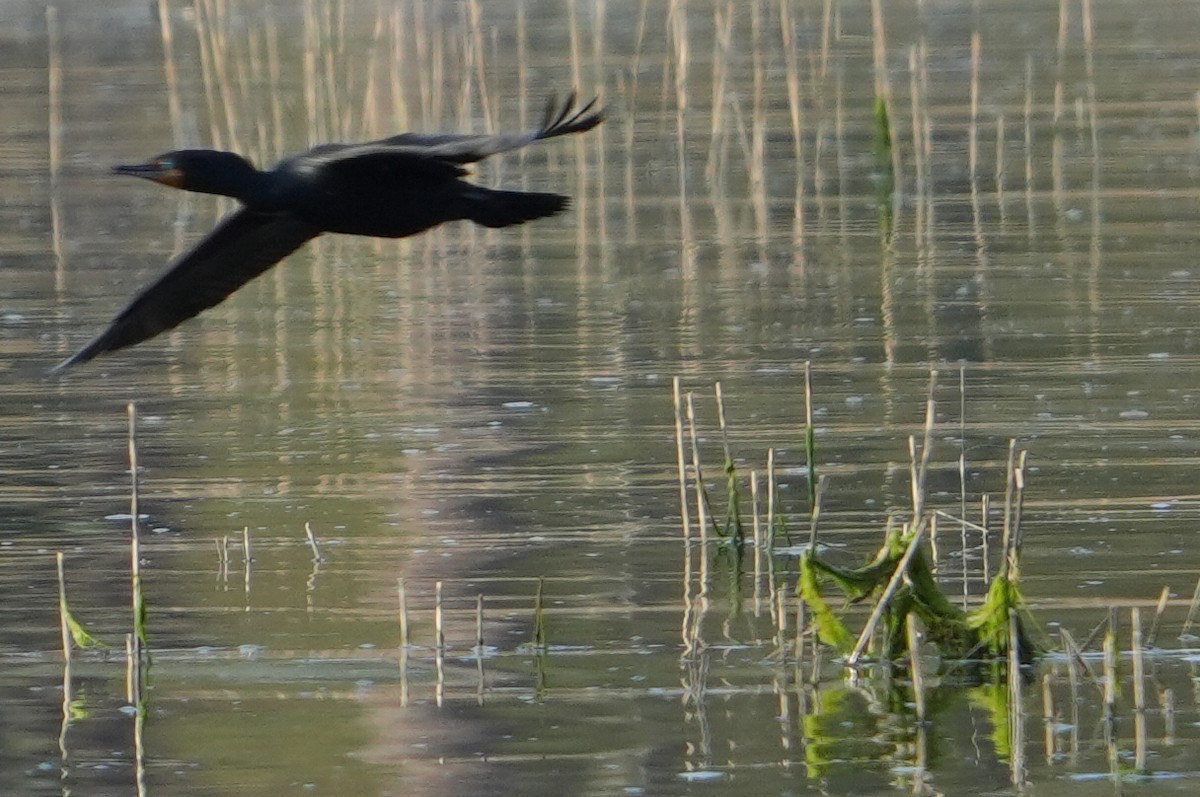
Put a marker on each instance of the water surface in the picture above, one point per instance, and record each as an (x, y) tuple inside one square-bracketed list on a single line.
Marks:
[(490, 408)]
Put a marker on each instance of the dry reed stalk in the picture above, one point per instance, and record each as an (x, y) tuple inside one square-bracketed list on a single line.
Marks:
[(63, 625), (771, 491), (758, 129), (915, 99), (480, 679), (1193, 609), (1166, 701), (439, 684), (312, 542), (1074, 699), (1138, 655), (1159, 609), (759, 552), (439, 635), (479, 625), (311, 81), (522, 33), (246, 559), (1064, 23), (677, 21), (54, 94), (223, 559), (398, 54), (721, 424), (1000, 141), (815, 517), (680, 461), (1028, 146), (1110, 666), (1049, 720), (722, 44), (944, 515), (54, 134), (755, 507), (933, 543), (973, 126), (402, 594), (810, 435), (780, 617), (697, 472), (791, 63), (576, 50), (1075, 657), (685, 624), (404, 675), (257, 123), (220, 50), (930, 206), (139, 751), (1016, 711), (68, 691), (539, 615), (985, 513), (135, 539), (422, 37), (333, 90), (369, 126), (963, 524), (204, 44), (916, 668), (919, 466), (439, 646), (132, 671), (246, 556), (1013, 551), (1009, 486), (925, 198)]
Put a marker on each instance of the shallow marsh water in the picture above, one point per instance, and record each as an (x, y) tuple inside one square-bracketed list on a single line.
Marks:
[(492, 408)]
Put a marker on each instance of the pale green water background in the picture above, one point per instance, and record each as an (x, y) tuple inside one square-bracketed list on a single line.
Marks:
[(487, 408)]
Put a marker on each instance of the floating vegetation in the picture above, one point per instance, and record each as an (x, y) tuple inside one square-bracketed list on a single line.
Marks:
[(900, 579), (73, 632)]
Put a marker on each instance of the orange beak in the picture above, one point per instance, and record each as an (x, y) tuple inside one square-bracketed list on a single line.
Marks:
[(172, 177)]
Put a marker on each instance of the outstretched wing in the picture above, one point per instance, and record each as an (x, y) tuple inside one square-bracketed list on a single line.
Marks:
[(244, 245), (559, 120)]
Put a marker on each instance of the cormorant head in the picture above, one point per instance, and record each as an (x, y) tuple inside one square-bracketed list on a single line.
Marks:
[(206, 171)]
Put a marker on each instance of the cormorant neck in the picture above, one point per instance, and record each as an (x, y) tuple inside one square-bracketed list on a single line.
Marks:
[(254, 189), (227, 174)]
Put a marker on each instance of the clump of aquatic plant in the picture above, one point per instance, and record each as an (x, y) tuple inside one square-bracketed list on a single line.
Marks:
[(899, 579), (829, 627)]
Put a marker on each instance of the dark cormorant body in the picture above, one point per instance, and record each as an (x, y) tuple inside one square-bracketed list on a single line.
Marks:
[(391, 188)]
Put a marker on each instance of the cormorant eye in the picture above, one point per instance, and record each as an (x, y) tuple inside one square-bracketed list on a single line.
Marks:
[(166, 164)]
